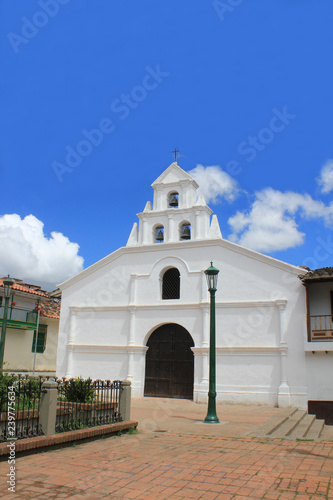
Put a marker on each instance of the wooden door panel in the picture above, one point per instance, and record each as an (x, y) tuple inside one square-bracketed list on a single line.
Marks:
[(170, 363)]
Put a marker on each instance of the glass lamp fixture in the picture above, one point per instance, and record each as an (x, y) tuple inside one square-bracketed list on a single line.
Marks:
[(8, 284), (212, 276)]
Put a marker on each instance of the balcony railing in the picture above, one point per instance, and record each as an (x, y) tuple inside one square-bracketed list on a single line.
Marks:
[(320, 327), (20, 318)]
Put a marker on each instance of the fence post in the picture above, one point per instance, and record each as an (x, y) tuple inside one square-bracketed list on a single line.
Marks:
[(125, 400), (48, 407)]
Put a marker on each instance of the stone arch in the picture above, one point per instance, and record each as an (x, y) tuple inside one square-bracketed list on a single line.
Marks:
[(161, 265)]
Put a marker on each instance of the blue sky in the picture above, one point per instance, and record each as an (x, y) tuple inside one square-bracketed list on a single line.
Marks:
[(244, 86)]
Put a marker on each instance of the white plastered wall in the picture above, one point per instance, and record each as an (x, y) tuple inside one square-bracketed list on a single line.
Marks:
[(110, 309)]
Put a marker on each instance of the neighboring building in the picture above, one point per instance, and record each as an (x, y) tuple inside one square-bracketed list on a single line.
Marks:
[(142, 312), (21, 330), (319, 344)]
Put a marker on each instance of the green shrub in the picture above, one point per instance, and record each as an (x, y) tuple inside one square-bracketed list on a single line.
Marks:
[(30, 391), (6, 380), (78, 390), (132, 430)]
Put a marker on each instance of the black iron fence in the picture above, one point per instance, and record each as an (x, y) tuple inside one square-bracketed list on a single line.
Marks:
[(87, 403), (79, 402), (19, 406)]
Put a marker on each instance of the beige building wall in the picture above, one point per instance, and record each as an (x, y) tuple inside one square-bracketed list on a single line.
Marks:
[(18, 355)]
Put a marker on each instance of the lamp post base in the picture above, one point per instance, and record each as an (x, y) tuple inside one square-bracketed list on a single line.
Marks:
[(211, 420), (211, 417)]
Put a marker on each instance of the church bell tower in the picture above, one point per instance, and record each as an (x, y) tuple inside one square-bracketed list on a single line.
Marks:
[(177, 214)]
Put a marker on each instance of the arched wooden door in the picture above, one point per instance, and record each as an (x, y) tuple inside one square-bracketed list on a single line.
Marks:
[(170, 363)]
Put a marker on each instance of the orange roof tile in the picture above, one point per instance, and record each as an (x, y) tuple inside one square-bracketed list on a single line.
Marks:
[(25, 287), (49, 307)]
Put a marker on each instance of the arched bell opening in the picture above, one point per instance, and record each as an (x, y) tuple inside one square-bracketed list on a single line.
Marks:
[(170, 363), (185, 231), (173, 200), (159, 234)]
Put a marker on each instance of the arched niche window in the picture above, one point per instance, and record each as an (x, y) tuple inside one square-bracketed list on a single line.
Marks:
[(171, 284), (173, 200), (185, 231), (159, 234)]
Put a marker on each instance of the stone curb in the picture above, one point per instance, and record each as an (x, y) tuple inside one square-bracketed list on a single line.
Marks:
[(65, 437)]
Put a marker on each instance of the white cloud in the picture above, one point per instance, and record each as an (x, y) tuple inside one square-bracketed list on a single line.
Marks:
[(270, 223), (326, 177), (26, 253), (214, 183)]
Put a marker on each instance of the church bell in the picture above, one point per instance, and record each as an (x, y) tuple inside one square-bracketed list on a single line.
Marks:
[(160, 236), (186, 233), (173, 202)]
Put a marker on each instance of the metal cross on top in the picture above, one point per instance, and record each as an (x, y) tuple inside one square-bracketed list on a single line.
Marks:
[(175, 152)]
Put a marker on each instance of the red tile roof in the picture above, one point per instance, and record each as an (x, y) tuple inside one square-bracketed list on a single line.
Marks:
[(25, 287), (50, 307)]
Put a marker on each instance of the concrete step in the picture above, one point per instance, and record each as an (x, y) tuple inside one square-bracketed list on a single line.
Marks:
[(289, 425), (303, 427), (272, 424), (294, 424), (327, 433), (315, 430)]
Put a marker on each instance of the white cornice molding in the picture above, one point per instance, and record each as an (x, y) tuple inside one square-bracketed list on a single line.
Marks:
[(198, 351), (174, 211), (240, 350), (250, 303), (174, 305), (129, 307), (106, 348)]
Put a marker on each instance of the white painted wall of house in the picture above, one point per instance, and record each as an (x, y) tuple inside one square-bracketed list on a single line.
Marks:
[(18, 355)]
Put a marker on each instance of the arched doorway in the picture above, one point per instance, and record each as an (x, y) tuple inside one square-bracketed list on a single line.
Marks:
[(170, 363)]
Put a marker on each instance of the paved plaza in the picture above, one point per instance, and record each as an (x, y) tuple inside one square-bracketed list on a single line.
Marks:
[(175, 455)]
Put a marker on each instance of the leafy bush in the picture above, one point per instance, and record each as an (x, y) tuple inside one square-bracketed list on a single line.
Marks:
[(6, 380), (27, 391), (30, 390), (78, 390)]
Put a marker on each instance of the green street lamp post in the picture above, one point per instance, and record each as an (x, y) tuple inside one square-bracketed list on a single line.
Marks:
[(211, 275), (8, 283)]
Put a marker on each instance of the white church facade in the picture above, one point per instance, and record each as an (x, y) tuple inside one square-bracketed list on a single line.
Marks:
[(142, 312)]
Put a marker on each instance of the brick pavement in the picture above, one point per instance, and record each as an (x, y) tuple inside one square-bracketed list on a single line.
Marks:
[(201, 463)]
